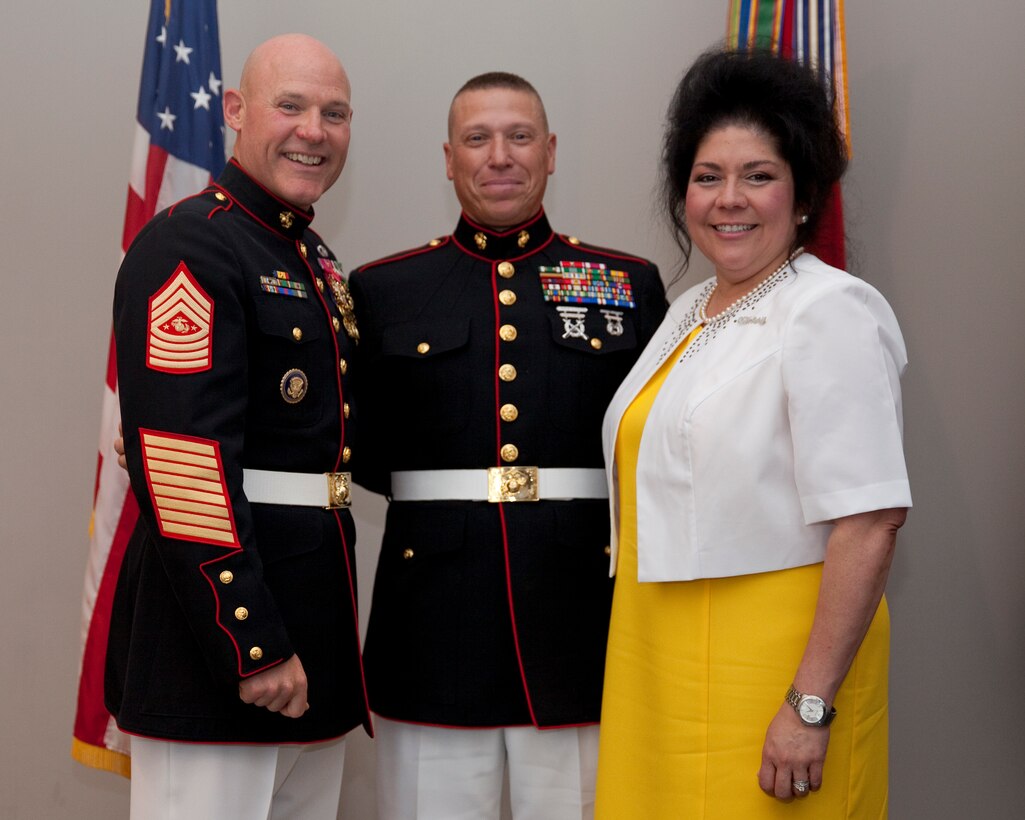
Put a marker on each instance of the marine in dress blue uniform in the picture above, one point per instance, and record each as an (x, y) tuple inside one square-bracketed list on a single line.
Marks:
[(215, 588), (234, 622), (488, 358)]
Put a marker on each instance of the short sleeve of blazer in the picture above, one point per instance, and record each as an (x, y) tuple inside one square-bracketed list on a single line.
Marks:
[(842, 358)]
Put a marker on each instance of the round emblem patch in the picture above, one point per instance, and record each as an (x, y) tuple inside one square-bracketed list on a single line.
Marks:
[(294, 385)]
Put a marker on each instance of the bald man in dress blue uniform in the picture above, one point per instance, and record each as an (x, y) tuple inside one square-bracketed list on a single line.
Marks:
[(234, 658)]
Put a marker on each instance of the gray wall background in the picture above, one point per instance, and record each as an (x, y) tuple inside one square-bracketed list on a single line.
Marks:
[(934, 197)]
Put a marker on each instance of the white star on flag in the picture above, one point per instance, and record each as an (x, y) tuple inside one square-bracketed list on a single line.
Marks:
[(215, 84), (182, 51), (201, 97), (162, 38), (167, 119)]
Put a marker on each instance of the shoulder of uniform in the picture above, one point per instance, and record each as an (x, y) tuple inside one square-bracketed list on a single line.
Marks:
[(208, 202), (435, 244), (610, 253)]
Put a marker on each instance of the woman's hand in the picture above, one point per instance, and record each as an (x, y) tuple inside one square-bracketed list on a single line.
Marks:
[(858, 556), (793, 752)]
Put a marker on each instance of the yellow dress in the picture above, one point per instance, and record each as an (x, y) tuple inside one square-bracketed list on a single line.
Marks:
[(695, 672)]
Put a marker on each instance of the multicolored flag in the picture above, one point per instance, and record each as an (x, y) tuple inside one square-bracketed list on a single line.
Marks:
[(179, 147), (812, 32)]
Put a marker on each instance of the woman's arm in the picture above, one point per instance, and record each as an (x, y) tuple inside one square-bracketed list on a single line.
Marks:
[(858, 556)]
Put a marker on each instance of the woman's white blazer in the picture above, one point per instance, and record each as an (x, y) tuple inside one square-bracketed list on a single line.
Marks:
[(769, 429)]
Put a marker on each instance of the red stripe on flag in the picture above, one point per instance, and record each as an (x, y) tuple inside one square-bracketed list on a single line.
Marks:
[(135, 218), (111, 364), (156, 160), (786, 35), (96, 481), (139, 210), (90, 723)]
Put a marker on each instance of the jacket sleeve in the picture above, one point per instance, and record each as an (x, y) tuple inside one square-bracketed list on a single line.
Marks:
[(842, 359), (180, 324)]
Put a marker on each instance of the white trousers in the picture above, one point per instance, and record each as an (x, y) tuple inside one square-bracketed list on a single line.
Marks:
[(204, 781), (432, 773)]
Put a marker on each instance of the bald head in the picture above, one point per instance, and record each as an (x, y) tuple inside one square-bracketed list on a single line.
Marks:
[(290, 52), (291, 114)]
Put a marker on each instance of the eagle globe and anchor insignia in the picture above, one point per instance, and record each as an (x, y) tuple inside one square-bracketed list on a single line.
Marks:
[(506, 484), (339, 490)]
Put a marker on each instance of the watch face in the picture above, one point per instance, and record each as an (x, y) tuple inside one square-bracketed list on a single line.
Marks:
[(812, 709)]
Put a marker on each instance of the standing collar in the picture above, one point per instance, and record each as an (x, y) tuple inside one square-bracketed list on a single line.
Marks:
[(276, 214), (510, 243)]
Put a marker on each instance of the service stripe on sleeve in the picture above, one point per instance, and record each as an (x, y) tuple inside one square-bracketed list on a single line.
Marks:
[(186, 483)]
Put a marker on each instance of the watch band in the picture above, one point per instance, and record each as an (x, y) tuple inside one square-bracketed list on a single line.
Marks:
[(795, 698)]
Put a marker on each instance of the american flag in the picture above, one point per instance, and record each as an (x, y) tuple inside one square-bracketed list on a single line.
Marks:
[(179, 147)]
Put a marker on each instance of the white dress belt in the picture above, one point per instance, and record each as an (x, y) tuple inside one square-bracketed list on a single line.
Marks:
[(499, 484), (327, 490)]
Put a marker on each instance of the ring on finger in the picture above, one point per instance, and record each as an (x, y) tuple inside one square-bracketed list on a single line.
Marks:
[(801, 786)]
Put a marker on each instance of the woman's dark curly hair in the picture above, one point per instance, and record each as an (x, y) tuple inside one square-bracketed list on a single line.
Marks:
[(772, 94)]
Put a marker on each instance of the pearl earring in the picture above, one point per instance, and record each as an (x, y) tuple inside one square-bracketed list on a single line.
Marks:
[(803, 219)]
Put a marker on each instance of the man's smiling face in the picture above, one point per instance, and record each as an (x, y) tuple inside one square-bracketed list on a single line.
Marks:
[(499, 155), (292, 117)]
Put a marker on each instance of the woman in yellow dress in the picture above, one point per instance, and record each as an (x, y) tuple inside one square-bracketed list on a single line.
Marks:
[(757, 479)]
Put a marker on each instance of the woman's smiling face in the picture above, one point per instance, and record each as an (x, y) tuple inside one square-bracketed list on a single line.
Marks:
[(740, 205)]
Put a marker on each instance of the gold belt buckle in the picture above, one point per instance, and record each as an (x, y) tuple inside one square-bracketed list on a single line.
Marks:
[(512, 484), (338, 490)]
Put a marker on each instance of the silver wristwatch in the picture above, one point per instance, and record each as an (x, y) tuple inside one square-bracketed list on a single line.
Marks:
[(811, 709)]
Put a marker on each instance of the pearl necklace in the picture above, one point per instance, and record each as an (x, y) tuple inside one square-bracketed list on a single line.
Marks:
[(711, 327), (751, 296)]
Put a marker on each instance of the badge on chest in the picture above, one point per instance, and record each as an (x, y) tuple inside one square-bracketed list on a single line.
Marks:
[(590, 300)]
